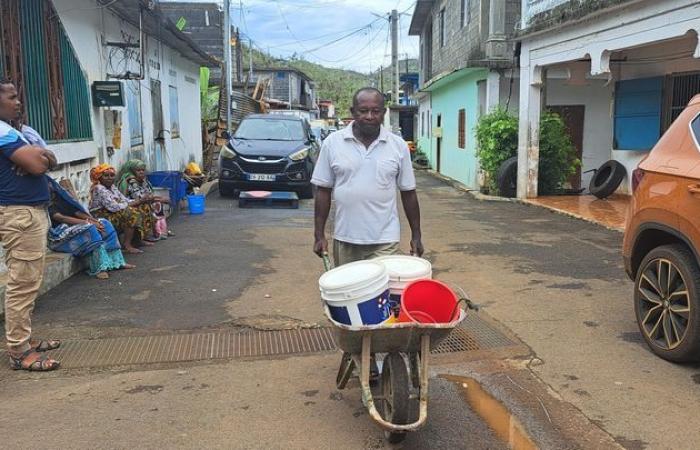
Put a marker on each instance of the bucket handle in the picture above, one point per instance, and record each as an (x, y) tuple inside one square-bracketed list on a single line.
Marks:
[(469, 304)]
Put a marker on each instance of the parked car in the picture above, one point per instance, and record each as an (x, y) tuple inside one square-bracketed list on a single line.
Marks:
[(662, 241), (271, 152)]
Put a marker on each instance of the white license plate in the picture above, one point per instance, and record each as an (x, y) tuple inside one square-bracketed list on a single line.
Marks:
[(261, 177)]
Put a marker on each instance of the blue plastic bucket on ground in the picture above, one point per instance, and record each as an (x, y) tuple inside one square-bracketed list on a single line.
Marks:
[(196, 203)]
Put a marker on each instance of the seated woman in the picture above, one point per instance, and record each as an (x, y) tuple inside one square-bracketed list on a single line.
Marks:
[(108, 203), (73, 230), (134, 185)]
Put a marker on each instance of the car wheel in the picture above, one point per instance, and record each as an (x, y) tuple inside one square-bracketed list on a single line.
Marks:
[(225, 191), (667, 303), (507, 177), (307, 192)]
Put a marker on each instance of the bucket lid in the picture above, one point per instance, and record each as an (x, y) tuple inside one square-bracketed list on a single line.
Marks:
[(351, 274), (401, 267)]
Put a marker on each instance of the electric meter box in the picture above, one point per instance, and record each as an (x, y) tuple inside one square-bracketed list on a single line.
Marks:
[(107, 94)]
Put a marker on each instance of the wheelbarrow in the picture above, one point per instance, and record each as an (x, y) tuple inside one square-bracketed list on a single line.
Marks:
[(404, 375)]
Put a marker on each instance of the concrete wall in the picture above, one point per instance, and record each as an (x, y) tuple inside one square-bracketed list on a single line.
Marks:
[(87, 27), (425, 126), (459, 164), (597, 126)]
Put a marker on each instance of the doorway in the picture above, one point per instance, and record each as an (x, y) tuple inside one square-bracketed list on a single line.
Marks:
[(438, 137), (158, 157), (573, 117)]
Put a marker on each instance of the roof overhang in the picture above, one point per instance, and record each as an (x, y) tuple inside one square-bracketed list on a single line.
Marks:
[(421, 13), (156, 24), (448, 77)]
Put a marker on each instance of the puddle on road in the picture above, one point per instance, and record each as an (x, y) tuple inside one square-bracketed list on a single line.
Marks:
[(495, 415)]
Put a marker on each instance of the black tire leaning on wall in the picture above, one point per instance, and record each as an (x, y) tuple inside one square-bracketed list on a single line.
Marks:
[(507, 178), (607, 179)]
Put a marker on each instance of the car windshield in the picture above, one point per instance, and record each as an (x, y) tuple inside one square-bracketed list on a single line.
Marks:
[(270, 129)]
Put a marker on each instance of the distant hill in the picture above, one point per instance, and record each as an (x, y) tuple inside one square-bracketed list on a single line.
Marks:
[(337, 85)]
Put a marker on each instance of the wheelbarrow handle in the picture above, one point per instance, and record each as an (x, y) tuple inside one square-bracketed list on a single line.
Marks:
[(326, 262)]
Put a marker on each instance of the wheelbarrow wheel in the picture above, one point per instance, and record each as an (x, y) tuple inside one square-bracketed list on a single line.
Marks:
[(395, 390), (347, 365)]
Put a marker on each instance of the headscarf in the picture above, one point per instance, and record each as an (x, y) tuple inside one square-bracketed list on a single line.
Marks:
[(97, 172), (65, 195), (127, 172)]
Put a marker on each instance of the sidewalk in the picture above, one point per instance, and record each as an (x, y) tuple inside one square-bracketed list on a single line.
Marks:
[(62, 266), (610, 212)]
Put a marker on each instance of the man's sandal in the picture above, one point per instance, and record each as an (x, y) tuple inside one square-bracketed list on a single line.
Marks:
[(45, 346), (33, 361)]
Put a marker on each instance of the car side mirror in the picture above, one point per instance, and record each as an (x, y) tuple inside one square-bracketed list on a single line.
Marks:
[(226, 135)]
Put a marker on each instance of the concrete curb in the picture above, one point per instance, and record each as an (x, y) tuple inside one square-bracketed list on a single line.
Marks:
[(492, 198), (570, 214), (59, 267)]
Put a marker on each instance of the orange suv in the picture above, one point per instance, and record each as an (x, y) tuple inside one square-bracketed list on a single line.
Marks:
[(662, 241)]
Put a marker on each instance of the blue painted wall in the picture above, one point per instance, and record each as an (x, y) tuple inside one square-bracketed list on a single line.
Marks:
[(462, 93)]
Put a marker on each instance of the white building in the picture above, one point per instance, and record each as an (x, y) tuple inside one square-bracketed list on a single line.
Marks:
[(620, 70), (55, 50)]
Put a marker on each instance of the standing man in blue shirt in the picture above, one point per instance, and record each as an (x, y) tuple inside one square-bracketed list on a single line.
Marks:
[(24, 195)]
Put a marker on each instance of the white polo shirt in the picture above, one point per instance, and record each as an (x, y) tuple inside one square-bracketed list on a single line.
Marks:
[(364, 183)]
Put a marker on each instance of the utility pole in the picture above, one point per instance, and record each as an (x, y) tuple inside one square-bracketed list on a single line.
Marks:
[(250, 72), (395, 56), (227, 56), (381, 79), (239, 56)]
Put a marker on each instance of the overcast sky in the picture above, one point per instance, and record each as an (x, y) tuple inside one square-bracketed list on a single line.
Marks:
[(308, 27)]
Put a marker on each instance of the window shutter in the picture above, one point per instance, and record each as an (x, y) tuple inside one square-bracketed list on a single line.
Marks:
[(638, 113), (461, 138)]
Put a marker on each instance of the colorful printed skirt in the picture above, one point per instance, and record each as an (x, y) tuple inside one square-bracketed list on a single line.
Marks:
[(123, 219), (101, 250)]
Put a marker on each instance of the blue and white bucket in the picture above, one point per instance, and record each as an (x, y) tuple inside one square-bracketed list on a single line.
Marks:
[(402, 271), (357, 293)]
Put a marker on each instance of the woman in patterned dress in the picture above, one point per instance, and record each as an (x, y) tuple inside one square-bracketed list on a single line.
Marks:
[(135, 186), (107, 202)]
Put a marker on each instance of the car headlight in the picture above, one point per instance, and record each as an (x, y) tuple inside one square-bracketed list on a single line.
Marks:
[(301, 154), (227, 153)]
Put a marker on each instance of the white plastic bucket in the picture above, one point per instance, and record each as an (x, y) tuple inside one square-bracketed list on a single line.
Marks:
[(357, 293), (404, 270)]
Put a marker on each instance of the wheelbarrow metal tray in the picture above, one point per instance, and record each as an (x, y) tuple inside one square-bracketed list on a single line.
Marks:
[(399, 337)]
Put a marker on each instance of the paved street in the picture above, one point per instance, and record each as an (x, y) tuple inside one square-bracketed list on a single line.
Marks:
[(582, 379)]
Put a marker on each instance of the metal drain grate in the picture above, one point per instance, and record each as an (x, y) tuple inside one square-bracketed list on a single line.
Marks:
[(473, 334), (192, 347), (458, 341)]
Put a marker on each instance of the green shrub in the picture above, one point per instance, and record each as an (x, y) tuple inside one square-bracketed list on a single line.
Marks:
[(497, 140), (558, 159)]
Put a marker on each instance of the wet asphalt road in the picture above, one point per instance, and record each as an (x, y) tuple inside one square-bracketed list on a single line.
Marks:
[(557, 283)]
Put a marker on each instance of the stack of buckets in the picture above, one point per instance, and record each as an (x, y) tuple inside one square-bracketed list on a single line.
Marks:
[(371, 292)]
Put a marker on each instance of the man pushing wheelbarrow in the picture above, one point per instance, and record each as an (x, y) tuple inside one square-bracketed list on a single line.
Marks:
[(362, 166)]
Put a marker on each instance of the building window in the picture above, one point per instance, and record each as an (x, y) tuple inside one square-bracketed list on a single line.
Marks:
[(443, 32), (679, 90), (465, 12), (638, 113), (462, 125), (37, 55), (133, 105), (174, 112)]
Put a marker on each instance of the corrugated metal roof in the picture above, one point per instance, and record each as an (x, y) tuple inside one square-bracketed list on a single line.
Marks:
[(157, 25)]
